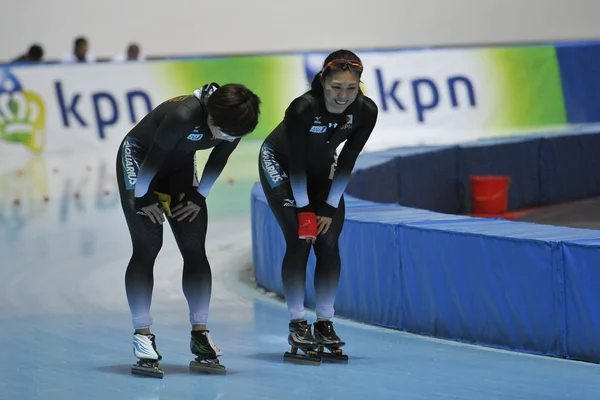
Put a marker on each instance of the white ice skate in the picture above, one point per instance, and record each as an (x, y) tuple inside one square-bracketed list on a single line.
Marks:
[(144, 348)]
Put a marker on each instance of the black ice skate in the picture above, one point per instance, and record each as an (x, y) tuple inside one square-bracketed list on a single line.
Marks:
[(301, 338), (144, 348), (206, 354), (327, 339)]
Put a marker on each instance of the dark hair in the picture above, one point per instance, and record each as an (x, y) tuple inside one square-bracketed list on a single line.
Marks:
[(234, 109), (336, 61), (80, 40), (35, 52)]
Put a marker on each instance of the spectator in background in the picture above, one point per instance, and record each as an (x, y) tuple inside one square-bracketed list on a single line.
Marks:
[(33, 55), (132, 54), (80, 52)]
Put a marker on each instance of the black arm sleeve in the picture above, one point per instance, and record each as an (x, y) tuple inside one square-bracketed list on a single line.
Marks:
[(214, 166), (298, 118), (347, 158)]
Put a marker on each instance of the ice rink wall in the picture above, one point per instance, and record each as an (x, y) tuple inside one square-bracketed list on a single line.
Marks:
[(411, 261)]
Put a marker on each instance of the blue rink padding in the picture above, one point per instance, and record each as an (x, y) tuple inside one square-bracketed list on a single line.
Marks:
[(571, 166), (512, 285), (582, 279), (493, 282)]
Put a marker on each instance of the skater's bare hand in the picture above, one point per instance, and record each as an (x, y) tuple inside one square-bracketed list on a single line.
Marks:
[(155, 212), (181, 212), (323, 224)]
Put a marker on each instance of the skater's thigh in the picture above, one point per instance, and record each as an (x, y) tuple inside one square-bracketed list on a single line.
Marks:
[(283, 205), (191, 235), (328, 242), (145, 235)]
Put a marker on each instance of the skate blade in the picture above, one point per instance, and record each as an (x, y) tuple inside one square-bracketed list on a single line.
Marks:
[(334, 358), (301, 358), (332, 355), (209, 368), (147, 371)]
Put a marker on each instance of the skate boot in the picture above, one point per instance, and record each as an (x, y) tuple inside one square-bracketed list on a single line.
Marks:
[(144, 348), (327, 339), (300, 338), (206, 352)]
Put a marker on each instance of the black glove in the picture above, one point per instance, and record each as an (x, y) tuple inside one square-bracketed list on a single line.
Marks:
[(326, 210)]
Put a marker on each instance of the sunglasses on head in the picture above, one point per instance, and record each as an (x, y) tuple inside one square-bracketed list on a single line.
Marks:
[(343, 64)]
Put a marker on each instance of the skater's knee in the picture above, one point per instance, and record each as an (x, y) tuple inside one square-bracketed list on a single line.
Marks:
[(328, 254), (297, 247), (145, 254), (194, 261), (327, 242), (294, 262), (147, 245)]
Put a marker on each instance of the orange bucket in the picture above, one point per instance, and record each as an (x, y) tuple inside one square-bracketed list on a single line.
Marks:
[(489, 194)]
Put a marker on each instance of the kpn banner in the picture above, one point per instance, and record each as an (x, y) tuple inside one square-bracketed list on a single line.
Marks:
[(91, 107), (83, 107), (454, 89)]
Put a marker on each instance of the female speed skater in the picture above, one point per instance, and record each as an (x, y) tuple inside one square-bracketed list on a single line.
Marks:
[(156, 173), (304, 180)]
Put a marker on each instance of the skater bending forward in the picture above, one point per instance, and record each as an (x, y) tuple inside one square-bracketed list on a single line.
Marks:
[(304, 180), (156, 173)]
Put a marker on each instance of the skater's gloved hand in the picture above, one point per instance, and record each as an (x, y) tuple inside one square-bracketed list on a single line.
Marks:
[(190, 206), (307, 226), (323, 224), (186, 209), (155, 213)]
